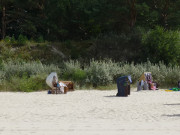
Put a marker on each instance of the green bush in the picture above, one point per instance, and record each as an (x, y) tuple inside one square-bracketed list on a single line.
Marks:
[(7, 39), (10, 40), (69, 68), (130, 69), (161, 45), (2, 77), (79, 75), (22, 40), (40, 39), (166, 76), (73, 71), (99, 73), (25, 83), (17, 68)]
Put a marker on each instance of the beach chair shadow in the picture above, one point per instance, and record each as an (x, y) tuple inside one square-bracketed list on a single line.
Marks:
[(173, 104), (114, 96), (111, 96), (173, 115)]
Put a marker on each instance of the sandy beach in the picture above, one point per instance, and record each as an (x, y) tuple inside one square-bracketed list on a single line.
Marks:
[(90, 112)]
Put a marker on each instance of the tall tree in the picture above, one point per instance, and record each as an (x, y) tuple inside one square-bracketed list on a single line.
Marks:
[(133, 12), (158, 12), (21, 17), (4, 6)]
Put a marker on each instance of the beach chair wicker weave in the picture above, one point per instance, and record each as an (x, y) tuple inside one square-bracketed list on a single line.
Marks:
[(123, 85)]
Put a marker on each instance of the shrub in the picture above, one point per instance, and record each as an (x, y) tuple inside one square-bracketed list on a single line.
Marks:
[(69, 68), (22, 40), (166, 76), (79, 75), (26, 84), (73, 71), (10, 40), (40, 39), (99, 73), (17, 68), (7, 39), (2, 76), (161, 45), (131, 69)]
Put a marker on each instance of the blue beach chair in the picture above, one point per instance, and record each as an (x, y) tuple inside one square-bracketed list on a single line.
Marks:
[(123, 85)]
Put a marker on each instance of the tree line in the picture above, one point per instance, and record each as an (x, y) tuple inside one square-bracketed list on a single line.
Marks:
[(58, 20), (122, 30)]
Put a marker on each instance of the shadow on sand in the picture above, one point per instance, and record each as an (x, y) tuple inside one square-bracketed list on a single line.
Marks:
[(173, 104), (112, 96), (174, 115)]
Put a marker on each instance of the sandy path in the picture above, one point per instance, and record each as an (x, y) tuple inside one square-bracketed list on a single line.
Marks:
[(90, 112)]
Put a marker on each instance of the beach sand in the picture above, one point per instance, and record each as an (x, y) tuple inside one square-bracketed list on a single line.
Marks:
[(90, 112)]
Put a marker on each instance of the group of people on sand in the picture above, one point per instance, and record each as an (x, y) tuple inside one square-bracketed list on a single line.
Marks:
[(146, 82)]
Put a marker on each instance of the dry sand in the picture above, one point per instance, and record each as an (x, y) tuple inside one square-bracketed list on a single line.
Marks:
[(90, 112)]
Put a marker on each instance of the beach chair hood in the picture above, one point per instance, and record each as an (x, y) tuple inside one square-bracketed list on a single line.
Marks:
[(49, 79)]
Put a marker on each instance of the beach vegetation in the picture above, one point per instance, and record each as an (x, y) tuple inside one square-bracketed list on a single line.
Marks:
[(161, 45), (98, 74)]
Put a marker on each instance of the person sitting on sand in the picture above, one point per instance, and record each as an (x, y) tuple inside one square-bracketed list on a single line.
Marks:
[(56, 84), (54, 81)]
